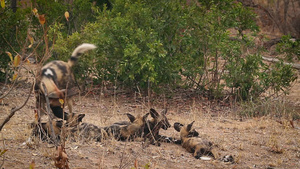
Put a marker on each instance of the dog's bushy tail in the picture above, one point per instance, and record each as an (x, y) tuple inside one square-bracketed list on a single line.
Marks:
[(78, 51)]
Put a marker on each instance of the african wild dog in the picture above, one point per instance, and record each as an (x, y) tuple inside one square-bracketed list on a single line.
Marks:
[(44, 131), (88, 132), (158, 121), (152, 127), (196, 145), (128, 131), (58, 79)]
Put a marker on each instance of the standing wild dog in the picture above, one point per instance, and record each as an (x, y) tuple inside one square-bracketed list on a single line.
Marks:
[(196, 145), (58, 79), (123, 132), (44, 131)]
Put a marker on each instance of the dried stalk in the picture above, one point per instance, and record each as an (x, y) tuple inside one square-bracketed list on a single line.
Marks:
[(50, 115)]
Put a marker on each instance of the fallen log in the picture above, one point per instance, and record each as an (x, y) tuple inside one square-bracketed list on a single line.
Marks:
[(274, 60)]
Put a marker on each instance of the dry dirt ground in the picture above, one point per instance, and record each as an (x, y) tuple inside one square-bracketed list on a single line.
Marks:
[(256, 142)]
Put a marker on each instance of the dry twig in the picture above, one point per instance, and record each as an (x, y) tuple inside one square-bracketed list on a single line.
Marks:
[(50, 115), (14, 110), (61, 160)]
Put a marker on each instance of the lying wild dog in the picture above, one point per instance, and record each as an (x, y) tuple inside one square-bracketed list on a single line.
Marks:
[(158, 121), (196, 145), (123, 132), (88, 132), (58, 79), (129, 132), (43, 131), (152, 127), (192, 133)]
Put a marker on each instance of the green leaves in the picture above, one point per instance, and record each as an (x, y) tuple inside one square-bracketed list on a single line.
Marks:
[(175, 43), (290, 47)]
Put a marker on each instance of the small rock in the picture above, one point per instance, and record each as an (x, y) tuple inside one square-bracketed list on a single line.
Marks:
[(228, 158), (205, 158)]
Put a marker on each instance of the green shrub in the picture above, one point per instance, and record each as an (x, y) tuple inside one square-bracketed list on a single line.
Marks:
[(165, 43), (15, 27), (13, 32), (290, 47)]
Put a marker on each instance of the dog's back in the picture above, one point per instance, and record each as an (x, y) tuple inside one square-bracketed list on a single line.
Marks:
[(89, 132), (58, 79), (57, 75), (119, 131)]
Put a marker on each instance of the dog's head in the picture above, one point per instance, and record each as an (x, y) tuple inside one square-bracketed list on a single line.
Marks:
[(186, 131), (160, 119)]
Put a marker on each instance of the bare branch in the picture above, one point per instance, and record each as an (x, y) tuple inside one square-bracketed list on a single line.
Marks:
[(274, 60), (50, 115), (9, 90), (14, 110)]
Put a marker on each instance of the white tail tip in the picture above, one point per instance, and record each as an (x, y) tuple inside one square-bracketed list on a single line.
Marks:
[(83, 48)]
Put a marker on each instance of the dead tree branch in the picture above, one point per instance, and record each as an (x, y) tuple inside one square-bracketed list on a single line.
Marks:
[(274, 60), (14, 110), (50, 115)]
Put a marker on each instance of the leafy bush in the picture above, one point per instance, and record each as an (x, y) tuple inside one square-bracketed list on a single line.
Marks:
[(22, 26), (290, 47), (249, 77), (13, 32), (166, 43)]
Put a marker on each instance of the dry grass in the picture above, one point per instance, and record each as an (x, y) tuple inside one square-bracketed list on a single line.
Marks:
[(260, 141)]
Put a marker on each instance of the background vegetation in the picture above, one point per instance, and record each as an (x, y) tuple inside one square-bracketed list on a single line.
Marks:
[(158, 45)]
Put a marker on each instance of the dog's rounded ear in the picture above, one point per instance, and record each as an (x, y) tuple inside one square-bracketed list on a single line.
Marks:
[(177, 126), (131, 117), (80, 117), (145, 116), (153, 113), (189, 126)]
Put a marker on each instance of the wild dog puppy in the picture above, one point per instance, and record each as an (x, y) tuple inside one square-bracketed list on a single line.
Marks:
[(58, 79), (199, 147), (44, 131)]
